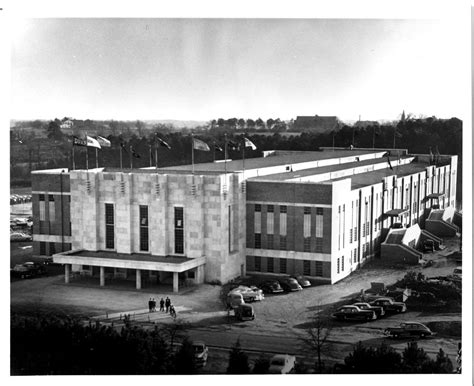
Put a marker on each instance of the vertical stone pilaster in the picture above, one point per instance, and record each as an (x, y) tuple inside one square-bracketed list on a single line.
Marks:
[(67, 273), (139, 279), (102, 276), (175, 282)]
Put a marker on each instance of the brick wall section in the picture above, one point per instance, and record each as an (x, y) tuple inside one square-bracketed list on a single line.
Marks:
[(289, 192), (51, 183)]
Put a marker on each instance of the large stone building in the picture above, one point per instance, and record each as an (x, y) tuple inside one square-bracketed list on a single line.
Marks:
[(322, 214)]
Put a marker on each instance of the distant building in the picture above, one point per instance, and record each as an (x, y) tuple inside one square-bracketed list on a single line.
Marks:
[(321, 214), (317, 123), (364, 124), (66, 124)]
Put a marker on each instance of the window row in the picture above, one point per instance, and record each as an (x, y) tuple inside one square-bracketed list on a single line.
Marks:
[(280, 265), (282, 245)]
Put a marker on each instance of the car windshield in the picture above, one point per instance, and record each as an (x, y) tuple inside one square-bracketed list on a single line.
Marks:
[(278, 362)]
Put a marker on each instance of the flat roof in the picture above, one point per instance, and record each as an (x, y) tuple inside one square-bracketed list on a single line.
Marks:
[(131, 256), (280, 157), (376, 176), (323, 169)]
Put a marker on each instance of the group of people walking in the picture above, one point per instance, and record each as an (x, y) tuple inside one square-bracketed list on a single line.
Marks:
[(163, 303)]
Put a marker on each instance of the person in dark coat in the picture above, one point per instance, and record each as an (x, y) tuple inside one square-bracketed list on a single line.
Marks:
[(150, 305), (153, 305), (162, 305), (167, 303)]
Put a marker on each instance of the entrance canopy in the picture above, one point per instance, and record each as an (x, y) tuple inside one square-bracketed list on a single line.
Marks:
[(129, 260), (395, 212)]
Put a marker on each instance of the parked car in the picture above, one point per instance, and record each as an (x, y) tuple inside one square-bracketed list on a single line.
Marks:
[(28, 269), (389, 305), (19, 236), (354, 313), (290, 285), (244, 312), (234, 299), (409, 329), (271, 287), (379, 311), (457, 273), (428, 246), (201, 352), (302, 281), (282, 364), (250, 294)]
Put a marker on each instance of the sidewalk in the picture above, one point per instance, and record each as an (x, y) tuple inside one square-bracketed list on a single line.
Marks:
[(138, 315)]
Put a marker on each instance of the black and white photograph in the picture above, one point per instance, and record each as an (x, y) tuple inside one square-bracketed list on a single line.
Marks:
[(226, 194)]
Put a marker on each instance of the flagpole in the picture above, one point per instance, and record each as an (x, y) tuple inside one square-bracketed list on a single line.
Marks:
[(131, 161), (225, 153), (73, 157), (192, 147), (150, 157), (156, 153), (87, 155)]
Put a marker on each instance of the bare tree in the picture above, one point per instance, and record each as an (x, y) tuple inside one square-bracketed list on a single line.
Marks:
[(317, 336)]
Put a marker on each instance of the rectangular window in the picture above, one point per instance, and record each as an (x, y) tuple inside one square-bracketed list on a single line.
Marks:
[(283, 243), (52, 248), (257, 221), (363, 230), (42, 208), (109, 226), (338, 265), (143, 227), (307, 210), (306, 267), (342, 263), (307, 225), (258, 263), (178, 229), (355, 233), (270, 208), (319, 244), (282, 265), (350, 235), (42, 248), (283, 209), (51, 208), (258, 241), (319, 222), (319, 268), (258, 208), (283, 224), (307, 244), (270, 221), (270, 242), (270, 264)]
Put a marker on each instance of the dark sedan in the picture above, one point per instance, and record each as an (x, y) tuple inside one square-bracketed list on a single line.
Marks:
[(354, 313), (290, 285), (271, 287), (409, 330), (379, 311)]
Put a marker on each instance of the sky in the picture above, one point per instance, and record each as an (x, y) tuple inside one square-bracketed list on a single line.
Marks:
[(203, 69)]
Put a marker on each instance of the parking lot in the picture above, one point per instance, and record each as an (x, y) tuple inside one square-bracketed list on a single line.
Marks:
[(278, 317)]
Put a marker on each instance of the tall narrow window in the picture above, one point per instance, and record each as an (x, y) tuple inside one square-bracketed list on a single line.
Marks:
[(258, 263), (307, 244), (306, 267), (319, 222), (270, 242), (42, 248), (283, 220), (282, 265), (51, 207), (338, 265), (342, 263), (109, 226), (283, 243), (42, 208), (307, 230), (319, 268), (270, 264), (178, 229), (52, 248), (258, 240), (319, 244), (143, 228), (270, 226)]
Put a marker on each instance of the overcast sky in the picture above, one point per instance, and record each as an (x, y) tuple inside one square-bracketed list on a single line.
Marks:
[(203, 69)]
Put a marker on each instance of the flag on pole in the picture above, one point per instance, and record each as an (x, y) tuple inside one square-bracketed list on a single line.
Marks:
[(218, 148), (78, 141), (163, 143), (249, 143), (122, 145), (134, 153), (200, 145), (103, 142), (92, 142)]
